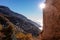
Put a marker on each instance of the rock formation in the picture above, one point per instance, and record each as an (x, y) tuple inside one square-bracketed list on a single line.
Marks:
[(51, 18)]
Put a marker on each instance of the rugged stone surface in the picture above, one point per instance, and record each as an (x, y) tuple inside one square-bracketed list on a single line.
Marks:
[(51, 18)]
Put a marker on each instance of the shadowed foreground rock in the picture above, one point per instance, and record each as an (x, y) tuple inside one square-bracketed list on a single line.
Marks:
[(51, 18)]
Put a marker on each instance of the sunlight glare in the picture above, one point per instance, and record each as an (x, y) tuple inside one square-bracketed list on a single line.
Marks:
[(42, 5)]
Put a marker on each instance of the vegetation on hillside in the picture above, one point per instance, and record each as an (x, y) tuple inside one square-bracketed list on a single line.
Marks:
[(8, 31)]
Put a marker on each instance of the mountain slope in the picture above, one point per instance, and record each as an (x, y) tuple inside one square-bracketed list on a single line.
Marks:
[(21, 22)]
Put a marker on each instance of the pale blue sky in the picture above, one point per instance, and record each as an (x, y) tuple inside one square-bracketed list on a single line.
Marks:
[(28, 8)]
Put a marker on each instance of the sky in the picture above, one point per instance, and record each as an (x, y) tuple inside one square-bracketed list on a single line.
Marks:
[(28, 8)]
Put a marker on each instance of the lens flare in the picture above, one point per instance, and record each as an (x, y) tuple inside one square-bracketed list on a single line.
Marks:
[(42, 5)]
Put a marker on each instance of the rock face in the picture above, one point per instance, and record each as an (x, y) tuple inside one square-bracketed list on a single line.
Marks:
[(51, 18)]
